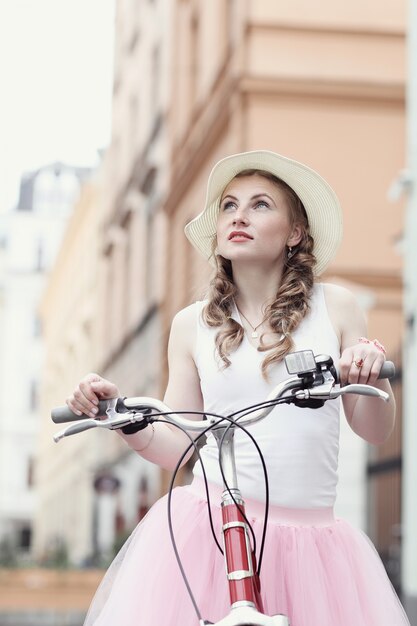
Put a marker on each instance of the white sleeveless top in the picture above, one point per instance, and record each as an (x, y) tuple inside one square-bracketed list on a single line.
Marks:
[(300, 446)]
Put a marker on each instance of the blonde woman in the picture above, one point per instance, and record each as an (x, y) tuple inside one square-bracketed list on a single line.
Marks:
[(270, 227)]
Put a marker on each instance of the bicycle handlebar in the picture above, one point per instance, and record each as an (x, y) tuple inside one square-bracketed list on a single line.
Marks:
[(62, 414), (310, 389), (387, 370)]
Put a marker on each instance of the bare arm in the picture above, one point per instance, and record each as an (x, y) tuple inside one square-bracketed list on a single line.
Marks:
[(183, 393), (371, 419), (166, 444)]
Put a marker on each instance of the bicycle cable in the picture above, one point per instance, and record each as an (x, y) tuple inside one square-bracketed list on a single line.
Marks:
[(193, 444), (245, 412)]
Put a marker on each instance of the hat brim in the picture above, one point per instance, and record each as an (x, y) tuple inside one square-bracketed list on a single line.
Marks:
[(320, 202)]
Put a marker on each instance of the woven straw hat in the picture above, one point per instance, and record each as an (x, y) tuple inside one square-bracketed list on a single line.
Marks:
[(319, 200)]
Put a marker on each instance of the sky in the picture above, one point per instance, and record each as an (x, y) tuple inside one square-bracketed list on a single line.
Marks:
[(56, 64)]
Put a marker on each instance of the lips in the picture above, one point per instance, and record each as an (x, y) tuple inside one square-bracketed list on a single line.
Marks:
[(238, 234)]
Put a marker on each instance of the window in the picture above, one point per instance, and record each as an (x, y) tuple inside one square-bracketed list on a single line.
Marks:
[(33, 396), (37, 326), (156, 79), (133, 122), (30, 472), (194, 59), (55, 190), (40, 257), (25, 538)]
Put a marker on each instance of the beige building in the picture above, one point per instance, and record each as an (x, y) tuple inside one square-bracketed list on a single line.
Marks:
[(195, 81), (101, 308), (69, 312)]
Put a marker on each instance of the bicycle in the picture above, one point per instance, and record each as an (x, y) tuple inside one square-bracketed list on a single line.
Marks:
[(312, 382)]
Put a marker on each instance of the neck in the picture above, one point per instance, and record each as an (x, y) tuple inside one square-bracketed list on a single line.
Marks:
[(255, 289)]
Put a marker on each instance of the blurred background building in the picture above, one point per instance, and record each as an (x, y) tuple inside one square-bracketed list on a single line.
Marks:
[(193, 82), (31, 236), (110, 320)]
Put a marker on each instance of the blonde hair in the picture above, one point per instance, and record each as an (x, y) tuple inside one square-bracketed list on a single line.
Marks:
[(292, 300)]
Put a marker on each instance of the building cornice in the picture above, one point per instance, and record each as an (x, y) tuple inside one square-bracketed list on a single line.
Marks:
[(368, 278), (393, 92), (356, 30), (212, 117)]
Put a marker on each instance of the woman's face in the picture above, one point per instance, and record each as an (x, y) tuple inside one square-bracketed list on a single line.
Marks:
[(254, 222)]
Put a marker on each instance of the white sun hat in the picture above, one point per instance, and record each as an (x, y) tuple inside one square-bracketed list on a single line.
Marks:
[(320, 202)]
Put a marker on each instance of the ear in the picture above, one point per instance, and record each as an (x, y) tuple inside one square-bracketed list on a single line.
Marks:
[(295, 236)]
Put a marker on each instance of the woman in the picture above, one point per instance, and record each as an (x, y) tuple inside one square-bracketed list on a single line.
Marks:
[(270, 226)]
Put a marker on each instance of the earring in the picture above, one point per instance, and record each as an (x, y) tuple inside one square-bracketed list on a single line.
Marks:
[(290, 252)]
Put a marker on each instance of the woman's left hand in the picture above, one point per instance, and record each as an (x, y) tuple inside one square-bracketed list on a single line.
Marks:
[(361, 363)]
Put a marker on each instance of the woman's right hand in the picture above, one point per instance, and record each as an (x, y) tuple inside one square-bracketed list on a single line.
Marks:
[(90, 390)]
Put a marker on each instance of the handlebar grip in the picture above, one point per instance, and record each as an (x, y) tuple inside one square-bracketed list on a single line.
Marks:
[(387, 370), (62, 414)]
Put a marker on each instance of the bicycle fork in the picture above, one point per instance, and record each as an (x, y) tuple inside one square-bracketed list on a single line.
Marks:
[(240, 560)]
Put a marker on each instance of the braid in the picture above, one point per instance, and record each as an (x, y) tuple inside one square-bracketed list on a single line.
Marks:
[(218, 310), (292, 303)]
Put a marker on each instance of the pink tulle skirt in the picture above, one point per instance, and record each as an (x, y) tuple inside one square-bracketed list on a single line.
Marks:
[(317, 570)]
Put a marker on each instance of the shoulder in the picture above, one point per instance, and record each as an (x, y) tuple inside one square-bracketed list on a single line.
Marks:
[(184, 327), (344, 311), (336, 295), (187, 316)]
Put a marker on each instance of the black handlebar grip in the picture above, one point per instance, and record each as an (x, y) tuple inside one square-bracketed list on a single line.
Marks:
[(387, 370), (61, 414)]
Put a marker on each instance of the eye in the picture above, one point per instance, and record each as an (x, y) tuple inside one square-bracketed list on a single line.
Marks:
[(228, 205), (262, 204)]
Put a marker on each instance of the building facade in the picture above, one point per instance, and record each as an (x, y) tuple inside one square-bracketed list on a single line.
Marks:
[(120, 285), (31, 236), (65, 505)]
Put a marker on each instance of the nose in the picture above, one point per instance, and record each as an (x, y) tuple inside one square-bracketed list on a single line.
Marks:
[(240, 217)]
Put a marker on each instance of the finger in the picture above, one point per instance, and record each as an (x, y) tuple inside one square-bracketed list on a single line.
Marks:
[(83, 403), (357, 374), (365, 369), (345, 365), (104, 389), (75, 406), (376, 369), (88, 391), (344, 375), (353, 375)]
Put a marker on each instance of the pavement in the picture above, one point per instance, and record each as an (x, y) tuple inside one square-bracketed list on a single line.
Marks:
[(43, 597)]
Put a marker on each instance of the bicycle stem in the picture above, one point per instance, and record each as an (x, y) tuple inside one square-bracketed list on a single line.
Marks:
[(240, 560)]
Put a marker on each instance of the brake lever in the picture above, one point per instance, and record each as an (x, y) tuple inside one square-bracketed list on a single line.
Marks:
[(362, 390), (73, 429), (114, 421), (110, 424), (329, 391)]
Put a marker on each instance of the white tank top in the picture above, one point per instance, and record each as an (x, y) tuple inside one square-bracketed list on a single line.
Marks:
[(300, 446)]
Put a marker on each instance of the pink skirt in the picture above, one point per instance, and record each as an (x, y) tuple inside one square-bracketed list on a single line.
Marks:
[(317, 570)]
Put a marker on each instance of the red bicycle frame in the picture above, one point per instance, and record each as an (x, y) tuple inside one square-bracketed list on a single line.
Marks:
[(244, 584), (240, 559)]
